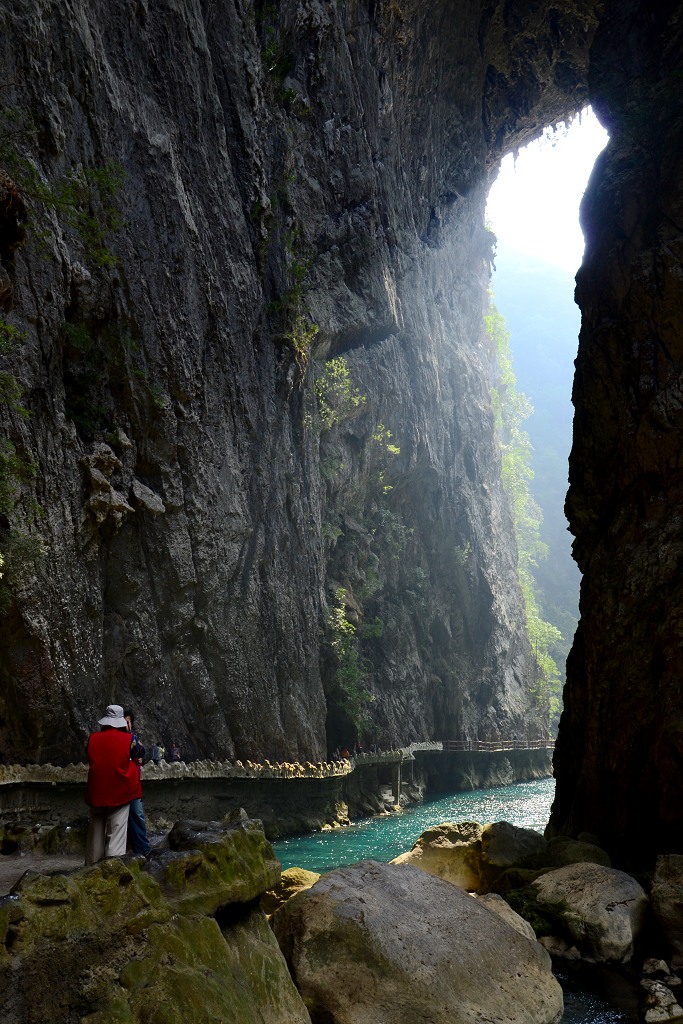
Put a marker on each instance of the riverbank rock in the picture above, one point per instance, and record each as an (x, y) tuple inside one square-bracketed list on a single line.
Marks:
[(505, 846), (380, 943), (474, 856), (660, 1003), (451, 851), (178, 938), (667, 902), (600, 909)]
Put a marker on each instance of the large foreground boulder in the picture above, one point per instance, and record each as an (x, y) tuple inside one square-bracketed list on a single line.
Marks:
[(602, 910), (382, 943)]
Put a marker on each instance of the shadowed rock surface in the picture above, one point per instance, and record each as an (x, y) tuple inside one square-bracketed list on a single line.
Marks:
[(602, 910), (620, 742)]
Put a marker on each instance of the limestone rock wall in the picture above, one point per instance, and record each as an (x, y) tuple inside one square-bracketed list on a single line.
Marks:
[(288, 167), (619, 756)]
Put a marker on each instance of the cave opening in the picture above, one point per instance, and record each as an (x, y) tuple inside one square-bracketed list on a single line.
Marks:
[(533, 210)]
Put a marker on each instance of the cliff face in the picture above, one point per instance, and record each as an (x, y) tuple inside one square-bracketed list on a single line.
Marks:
[(223, 488), (619, 760)]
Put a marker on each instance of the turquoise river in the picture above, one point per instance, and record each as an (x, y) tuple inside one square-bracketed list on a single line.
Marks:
[(592, 996)]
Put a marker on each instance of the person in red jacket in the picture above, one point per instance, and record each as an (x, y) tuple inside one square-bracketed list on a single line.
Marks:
[(113, 781)]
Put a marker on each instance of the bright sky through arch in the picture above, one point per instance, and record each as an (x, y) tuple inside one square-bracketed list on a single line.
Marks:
[(533, 205)]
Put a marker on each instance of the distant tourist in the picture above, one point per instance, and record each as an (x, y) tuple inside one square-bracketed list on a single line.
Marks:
[(137, 826), (174, 753), (113, 781), (345, 752), (358, 748), (158, 753)]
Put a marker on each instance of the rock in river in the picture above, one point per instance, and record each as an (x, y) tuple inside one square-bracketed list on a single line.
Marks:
[(602, 909)]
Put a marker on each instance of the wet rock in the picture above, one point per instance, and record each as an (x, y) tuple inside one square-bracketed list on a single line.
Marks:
[(660, 1003)]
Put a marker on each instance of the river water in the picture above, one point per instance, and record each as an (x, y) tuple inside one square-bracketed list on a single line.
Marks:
[(591, 996)]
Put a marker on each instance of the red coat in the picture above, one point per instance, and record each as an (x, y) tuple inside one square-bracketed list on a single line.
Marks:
[(113, 779)]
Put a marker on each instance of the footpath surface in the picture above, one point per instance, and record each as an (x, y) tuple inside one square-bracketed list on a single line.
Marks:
[(13, 866)]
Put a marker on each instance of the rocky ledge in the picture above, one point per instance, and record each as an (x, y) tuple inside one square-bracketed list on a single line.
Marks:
[(461, 927), (177, 937), (182, 937)]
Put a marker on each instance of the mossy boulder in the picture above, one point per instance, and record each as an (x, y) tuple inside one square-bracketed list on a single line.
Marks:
[(208, 865), (179, 937), (59, 907), (192, 970)]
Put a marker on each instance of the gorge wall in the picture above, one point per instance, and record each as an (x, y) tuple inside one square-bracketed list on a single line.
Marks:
[(619, 757), (304, 181), (269, 422)]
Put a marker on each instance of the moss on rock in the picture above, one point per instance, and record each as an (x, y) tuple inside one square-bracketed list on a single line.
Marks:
[(128, 941)]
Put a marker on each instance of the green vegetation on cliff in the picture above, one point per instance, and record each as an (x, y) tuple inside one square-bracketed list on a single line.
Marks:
[(83, 199), (511, 409)]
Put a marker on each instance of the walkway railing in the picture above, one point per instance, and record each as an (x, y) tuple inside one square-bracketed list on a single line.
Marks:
[(210, 769), (498, 744)]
